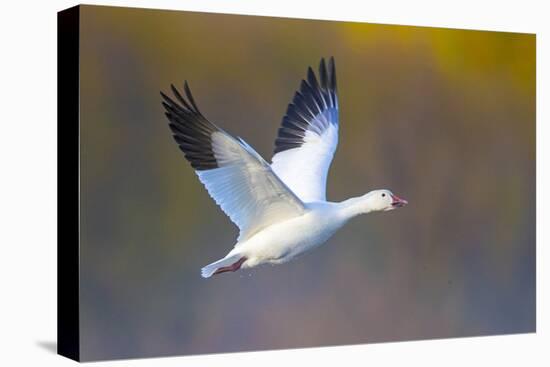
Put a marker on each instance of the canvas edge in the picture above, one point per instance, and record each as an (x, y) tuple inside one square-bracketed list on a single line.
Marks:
[(68, 181)]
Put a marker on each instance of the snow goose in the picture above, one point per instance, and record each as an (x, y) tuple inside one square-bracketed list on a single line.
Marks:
[(281, 209)]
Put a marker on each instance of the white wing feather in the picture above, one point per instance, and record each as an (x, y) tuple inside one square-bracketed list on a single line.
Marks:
[(239, 180), (305, 169), (246, 188), (308, 136)]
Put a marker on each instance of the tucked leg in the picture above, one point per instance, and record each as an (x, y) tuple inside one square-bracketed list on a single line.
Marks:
[(233, 267)]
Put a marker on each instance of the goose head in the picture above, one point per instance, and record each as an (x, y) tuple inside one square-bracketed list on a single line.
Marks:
[(383, 200)]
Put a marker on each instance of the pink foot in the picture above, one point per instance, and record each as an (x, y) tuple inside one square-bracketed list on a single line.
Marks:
[(234, 267)]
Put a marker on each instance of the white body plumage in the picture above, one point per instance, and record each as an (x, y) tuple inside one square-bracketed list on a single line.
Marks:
[(286, 240)]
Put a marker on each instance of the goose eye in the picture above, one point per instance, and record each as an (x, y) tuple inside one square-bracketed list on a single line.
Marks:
[(383, 195)]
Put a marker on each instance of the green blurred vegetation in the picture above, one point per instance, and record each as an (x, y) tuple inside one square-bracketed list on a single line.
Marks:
[(444, 118)]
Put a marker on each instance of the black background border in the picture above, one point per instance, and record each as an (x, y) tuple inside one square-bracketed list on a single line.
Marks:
[(68, 193)]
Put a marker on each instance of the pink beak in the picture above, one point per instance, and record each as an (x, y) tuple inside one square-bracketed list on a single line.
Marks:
[(398, 202)]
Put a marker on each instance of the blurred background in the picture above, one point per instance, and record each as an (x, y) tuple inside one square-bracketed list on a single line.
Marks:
[(444, 118)]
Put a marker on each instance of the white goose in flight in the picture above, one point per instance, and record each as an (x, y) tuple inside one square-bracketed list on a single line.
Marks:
[(281, 209)]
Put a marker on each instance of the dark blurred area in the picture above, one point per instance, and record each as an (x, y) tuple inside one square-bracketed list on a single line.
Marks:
[(444, 118)]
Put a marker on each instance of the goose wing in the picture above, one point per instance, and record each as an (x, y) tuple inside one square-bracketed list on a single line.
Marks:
[(308, 136), (239, 180)]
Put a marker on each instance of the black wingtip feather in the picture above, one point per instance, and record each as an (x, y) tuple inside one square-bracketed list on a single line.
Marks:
[(332, 67), (190, 97), (315, 96), (323, 74), (179, 97), (190, 129)]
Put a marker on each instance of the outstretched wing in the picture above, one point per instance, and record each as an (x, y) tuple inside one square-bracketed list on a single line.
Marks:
[(235, 175), (308, 137)]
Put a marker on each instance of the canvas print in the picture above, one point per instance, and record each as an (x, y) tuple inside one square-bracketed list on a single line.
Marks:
[(250, 183)]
